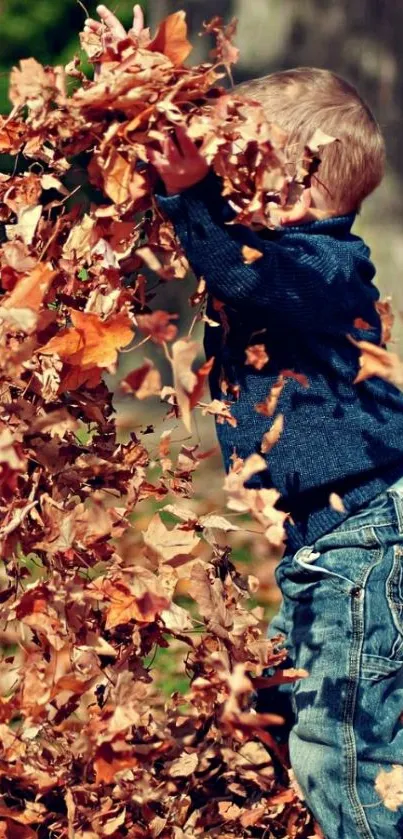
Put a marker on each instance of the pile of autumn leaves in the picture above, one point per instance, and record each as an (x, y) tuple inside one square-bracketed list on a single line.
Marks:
[(88, 746)]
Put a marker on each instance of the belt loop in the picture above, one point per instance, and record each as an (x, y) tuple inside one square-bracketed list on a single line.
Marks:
[(398, 504)]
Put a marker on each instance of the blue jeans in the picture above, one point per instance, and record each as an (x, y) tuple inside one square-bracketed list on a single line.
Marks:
[(342, 614)]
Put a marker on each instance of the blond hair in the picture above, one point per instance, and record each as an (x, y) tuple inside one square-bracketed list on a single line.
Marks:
[(305, 99)]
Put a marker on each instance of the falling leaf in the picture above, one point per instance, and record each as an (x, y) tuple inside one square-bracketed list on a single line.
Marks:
[(385, 312), (298, 377), (177, 619), (220, 411), (111, 825), (25, 228), (57, 422), (108, 763), (280, 677), (171, 38), (29, 292), (158, 326), (144, 382), (230, 812), (80, 240), (184, 765), (31, 84), (169, 544), (250, 255), (336, 503), (256, 356), (117, 174), (125, 606), (188, 385), (17, 256), (268, 407), (91, 341), (270, 438), (376, 361), (218, 523), (225, 52)]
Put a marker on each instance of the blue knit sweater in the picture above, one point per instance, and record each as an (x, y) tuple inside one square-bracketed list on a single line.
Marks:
[(300, 299)]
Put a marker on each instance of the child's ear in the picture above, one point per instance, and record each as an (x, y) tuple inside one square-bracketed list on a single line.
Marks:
[(299, 212)]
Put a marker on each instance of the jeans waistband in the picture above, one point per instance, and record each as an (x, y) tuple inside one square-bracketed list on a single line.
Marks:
[(384, 509)]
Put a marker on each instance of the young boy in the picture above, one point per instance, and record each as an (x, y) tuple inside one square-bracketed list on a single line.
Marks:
[(342, 576)]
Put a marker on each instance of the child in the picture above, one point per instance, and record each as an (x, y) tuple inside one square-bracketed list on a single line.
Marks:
[(342, 576)]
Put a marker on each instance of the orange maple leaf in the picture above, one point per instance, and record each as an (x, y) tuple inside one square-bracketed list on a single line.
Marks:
[(91, 342), (125, 606), (30, 291), (118, 177), (171, 38), (107, 763)]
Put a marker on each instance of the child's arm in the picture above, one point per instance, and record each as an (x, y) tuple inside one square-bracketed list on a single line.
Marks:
[(304, 282)]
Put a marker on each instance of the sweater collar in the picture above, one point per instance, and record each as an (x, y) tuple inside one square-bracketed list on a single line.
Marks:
[(334, 226)]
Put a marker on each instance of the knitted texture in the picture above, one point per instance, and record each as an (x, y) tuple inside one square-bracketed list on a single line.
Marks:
[(300, 299)]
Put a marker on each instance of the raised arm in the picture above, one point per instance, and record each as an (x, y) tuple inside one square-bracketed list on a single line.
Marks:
[(308, 281)]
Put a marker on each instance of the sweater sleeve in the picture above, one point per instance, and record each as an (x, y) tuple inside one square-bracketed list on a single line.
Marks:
[(301, 281)]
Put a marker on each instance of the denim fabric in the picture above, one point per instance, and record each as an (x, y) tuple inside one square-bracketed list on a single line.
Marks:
[(342, 614)]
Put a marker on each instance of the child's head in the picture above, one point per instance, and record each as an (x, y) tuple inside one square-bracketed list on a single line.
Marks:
[(302, 100)]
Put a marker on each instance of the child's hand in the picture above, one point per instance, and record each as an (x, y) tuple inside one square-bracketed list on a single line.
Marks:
[(180, 165), (111, 29)]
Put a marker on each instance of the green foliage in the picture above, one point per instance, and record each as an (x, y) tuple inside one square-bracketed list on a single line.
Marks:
[(46, 29)]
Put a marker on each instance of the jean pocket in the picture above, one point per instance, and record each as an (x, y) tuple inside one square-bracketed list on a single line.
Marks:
[(310, 566), (375, 668)]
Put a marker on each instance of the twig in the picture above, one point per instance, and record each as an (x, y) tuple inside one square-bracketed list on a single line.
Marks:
[(87, 14)]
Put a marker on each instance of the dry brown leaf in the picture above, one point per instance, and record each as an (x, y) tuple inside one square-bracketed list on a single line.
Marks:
[(268, 407), (158, 326), (250, 255), (171, 38), (188, 385), (30, 291), (256, 356), (272, 437), (125, 606), (25, 227), (385, 312), (184, 765), (91, 342), (117, 175), (377, 361), (143, 382), (170, 545), (220, 411)]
